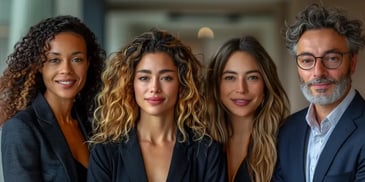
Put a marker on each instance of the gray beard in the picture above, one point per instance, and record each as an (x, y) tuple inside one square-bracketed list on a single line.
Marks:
[(340, 89)]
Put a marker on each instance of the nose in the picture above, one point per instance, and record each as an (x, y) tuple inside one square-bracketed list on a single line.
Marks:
[(155, 86), (66, 67), (319, 69), (241, 86)]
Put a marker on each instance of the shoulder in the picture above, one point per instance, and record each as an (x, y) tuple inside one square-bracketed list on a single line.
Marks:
[(206, 147), (295, 118), (108, 147), (21, 120), (107, 150)]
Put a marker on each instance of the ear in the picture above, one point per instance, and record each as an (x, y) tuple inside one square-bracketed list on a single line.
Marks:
[(353, 63)]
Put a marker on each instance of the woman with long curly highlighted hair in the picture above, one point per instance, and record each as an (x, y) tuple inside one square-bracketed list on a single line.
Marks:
[(151, 120)]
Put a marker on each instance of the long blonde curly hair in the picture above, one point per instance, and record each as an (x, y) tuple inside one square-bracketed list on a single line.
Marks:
[(118, 112)]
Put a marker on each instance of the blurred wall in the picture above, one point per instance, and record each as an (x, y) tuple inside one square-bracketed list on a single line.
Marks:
[(118, 21)]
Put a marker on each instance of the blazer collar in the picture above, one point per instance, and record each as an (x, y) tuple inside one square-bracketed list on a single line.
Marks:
[(345, 127), (132, 157), (299, 153), (54, 135)]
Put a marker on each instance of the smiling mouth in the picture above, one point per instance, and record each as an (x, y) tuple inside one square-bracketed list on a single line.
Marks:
[(66, 83), (241, 102)]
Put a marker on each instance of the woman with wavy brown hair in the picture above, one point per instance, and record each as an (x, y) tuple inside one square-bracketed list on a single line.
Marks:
[(150, 124), (247, 104), (46, 99)]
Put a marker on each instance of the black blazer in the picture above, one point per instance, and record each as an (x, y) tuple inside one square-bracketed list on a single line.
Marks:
[(191, 162), (242, 174), (34, 147), (342, 158)]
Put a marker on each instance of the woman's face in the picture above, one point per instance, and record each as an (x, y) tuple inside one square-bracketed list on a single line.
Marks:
[(65, 70), (241, 86), (156, 84)]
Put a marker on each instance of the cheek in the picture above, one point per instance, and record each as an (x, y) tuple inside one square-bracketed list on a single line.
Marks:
[(137, 89), (223, 88), (303, 75), (173, 90)]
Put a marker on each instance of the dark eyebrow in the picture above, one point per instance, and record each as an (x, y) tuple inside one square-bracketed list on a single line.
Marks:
[(229, 72), (252, 71), (328, 51), (149, 71), (57, 53), (247, 72)]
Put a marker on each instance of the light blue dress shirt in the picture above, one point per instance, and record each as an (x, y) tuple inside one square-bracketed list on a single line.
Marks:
[(319, 133)]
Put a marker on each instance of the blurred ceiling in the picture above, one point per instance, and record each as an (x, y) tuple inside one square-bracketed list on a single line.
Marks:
[(195, 5)]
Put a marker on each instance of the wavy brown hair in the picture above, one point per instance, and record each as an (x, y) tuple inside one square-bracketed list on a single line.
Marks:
[(269, 115), (118, 112), (21, 80)]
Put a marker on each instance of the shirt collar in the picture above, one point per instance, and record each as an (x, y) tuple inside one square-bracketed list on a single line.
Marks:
[(333, 117)]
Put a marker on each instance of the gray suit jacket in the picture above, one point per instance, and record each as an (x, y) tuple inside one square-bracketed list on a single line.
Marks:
[(34, 147), (342, 158)]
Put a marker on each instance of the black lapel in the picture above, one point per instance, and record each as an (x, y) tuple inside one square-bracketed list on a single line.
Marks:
[(132, 157), (54, 136)]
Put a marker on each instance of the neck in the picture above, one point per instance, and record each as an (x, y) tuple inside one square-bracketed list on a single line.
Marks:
[(241, 126), (156, 129), (60, 108)]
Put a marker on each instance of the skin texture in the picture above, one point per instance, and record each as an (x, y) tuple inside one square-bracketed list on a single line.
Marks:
[(156, 84), (318, 42), (65, 70), (242, 87)]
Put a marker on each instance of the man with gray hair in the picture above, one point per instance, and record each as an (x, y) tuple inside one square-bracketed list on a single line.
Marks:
[(326, 141)]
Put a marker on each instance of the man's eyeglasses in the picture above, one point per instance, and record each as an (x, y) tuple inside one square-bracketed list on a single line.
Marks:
[(330, 60)]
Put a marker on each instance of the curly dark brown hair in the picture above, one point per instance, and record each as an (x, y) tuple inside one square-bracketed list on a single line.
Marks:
[(21, 80)]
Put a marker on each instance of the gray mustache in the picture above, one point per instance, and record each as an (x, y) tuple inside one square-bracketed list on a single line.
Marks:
[(322, 80)]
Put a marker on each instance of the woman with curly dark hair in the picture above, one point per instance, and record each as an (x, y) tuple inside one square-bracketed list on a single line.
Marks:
[(46, 99), (151, 118)]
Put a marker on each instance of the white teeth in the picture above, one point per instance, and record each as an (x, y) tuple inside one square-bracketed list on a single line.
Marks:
[(66, 82)]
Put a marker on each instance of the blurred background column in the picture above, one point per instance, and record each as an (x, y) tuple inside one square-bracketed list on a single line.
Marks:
[(4, 31), (25, 13), (94, 13)]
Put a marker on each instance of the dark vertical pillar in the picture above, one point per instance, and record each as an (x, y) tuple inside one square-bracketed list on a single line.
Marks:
[(93, 12)]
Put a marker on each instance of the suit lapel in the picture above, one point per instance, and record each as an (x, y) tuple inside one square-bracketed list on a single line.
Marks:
[(179, 162), (132, 157), (299, 153), (344, 128), (54, 136)]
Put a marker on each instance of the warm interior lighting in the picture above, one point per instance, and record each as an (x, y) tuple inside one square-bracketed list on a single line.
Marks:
[(205, 32)]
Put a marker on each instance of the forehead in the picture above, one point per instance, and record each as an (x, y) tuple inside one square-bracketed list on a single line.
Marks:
[(240, 61), (67, 40), (156, 61), (319, 41)]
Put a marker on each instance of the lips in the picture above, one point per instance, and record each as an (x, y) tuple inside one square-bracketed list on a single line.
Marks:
[(66, 83), (321, 85), (241, 102), (155, 100)]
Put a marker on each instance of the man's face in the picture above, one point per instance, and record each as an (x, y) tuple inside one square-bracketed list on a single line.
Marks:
[(321, 85)]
